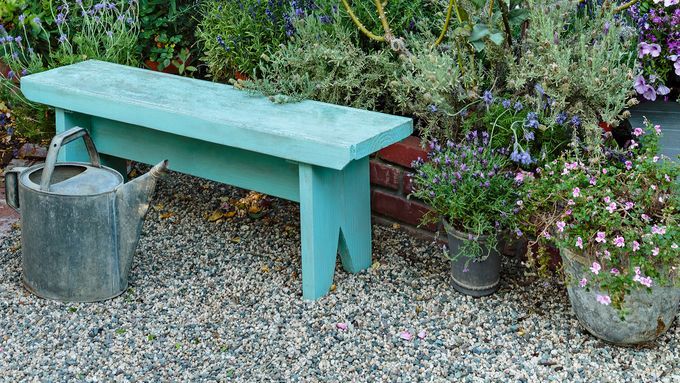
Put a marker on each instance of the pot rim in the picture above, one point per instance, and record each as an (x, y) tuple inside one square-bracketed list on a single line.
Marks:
[(462, 235)]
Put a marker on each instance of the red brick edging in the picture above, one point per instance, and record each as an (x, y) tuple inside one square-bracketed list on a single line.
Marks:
[(391, 185)]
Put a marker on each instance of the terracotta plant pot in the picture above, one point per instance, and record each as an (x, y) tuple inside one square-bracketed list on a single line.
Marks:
[(648, 314)]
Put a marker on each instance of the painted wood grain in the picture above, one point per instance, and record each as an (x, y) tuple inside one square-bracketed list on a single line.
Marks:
[(238, 167), (310, 132)]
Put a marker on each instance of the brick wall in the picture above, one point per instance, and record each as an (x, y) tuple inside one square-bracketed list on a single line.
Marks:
[(391, 184)]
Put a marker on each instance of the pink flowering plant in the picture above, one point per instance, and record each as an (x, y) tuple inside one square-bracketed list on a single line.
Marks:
[(618, 214), (658, 24), (469, 185)]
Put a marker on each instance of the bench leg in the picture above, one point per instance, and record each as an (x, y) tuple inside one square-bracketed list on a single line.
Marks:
[(334, 211), (355, 227), (76, 151)]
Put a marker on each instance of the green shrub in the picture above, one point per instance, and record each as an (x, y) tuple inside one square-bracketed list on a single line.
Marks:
[(323, 62), (582, 62), (235, 33), (167, 30)]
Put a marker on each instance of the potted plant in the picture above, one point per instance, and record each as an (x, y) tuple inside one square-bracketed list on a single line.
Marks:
[(658, 47), (468, 186), (614, 218)]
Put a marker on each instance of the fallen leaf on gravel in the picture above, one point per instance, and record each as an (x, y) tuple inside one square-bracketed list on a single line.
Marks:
[(405, 335), (375, 265), (422, 334), (418, 309), (333, 287), (341, 326), (396, 226), (235, 240), (167, 215), (521, 332), (216, 215), (265, 269), (159, 207)]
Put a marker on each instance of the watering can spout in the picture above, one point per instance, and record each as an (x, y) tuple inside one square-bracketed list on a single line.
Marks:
[(132, 203)]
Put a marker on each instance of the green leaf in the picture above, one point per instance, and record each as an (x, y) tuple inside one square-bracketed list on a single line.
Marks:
[(518, 16), (497, 38), (479, 31)]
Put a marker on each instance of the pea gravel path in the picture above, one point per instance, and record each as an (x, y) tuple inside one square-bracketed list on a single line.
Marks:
[(221, 302)]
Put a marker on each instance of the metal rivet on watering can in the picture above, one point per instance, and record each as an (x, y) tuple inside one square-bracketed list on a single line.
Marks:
[(80, 223)]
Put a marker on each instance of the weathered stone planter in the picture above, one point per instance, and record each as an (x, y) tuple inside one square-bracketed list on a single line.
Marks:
[(479, 277), (648, 315)]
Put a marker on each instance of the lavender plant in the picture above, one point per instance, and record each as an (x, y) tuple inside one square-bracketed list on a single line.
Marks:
[(528, 126), (468, 184), (105, 30), (619, 215), (236, 33)]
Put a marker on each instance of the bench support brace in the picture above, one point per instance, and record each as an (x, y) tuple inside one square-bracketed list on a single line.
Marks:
[(335, 214)]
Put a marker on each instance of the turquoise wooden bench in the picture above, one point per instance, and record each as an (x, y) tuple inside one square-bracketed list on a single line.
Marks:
[(309, 152)]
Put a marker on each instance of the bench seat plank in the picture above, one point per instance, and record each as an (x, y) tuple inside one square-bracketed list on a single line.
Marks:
[(309, 132)]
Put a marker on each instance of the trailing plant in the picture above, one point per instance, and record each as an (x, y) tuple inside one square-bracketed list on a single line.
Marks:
[(658, 25), (236, 33), (619, 214), (583, 63), (469, 186)]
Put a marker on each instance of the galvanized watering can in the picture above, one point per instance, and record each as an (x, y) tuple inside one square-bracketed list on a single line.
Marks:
[(80, 223)]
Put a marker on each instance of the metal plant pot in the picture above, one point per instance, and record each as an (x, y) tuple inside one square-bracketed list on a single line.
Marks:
[(648, 314), (475, 277)]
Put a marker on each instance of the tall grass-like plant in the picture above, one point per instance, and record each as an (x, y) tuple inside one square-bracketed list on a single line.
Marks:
[(106, 30), (85, 29)]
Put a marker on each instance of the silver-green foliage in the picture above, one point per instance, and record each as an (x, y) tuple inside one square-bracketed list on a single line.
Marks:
[(322, 62), (583, 62)]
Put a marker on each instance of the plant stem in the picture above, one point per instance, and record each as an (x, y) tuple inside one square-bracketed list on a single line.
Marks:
[(625, 6), (359, 24), (506, 22), (445, 29), (490, 10), (383, 18)]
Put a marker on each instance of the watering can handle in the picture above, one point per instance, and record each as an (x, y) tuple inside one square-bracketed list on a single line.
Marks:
[(55, 146)]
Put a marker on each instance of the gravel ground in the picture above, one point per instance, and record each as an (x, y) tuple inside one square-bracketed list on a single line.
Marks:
[(222, 302)]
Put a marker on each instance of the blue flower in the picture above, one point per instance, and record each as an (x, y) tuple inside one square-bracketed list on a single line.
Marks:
[(521, 156), (539, 89), (561, 118), (576, 121), (506, 103), (529, 136), (487, 97), (531, 120), (433, 108), (518, 106)]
